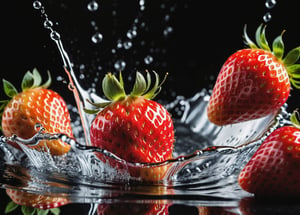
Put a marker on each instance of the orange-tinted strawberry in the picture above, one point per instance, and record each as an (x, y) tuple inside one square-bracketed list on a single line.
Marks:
[(134, 127), (254, 82), (274, 169), (35, 104), (34, 203)]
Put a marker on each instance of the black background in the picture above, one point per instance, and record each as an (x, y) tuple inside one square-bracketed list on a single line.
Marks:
[(204, 34)]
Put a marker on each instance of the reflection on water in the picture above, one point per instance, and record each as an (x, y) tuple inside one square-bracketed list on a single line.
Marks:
[(207, 161)]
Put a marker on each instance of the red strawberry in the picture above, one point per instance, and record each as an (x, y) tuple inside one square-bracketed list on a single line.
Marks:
[(35, 104), (133, 209), (34, 203), (274, 169), (134, 127), (253, 82)]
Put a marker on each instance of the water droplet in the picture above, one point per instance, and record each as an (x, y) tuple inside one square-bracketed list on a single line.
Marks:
[(148, 59), (97, 38), (167, 30), (127, 44), (120, 65), (55, 35), (131, 34), (267, 17), (270, 3), (48, 24), (82, 76), (92, 6), (119, 44), (37, 5)]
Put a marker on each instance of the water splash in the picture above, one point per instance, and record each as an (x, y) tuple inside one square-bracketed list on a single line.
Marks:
[(213, 153)]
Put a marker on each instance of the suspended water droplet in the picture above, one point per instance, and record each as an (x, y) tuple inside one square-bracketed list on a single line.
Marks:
[(270, 3), (82, 76), (55, 35), (167, 30), (131, 33), (148, 59), (93, 6), (37, 5), (127, 44), (97, 38), (48, 24), (120, 65), (119, 44), (267, 17)]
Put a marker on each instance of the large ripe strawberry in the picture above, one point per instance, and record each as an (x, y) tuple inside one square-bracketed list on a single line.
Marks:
[(35, 104), (134, 127), (274, 169), (34, 203), (133, 209), (254, 82)]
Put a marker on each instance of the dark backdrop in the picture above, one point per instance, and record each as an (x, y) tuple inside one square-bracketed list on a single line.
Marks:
[(203, 34)]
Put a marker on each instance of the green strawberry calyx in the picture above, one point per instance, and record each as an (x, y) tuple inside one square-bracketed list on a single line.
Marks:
[(289, 60), (12, 206), (295, 118), (113, 89), (30, 80)]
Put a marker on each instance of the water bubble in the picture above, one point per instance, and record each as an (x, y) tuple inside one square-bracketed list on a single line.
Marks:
[(37, 5), (97, 38), (48, 24), (92, 6), (55, 35), (120, 65), (267, 17), (148, 59), (270, 3)]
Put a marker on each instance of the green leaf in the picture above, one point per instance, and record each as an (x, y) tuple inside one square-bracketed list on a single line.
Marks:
[(112, 88), (247, 40), (42, 212), (48, 82), (11, 206), (90, 111), (148, 81), (292, 57), (27, 81), (37, 78), (278, 47), (28, 210), (55, 211), (140, 85), (156, 88), (293, 69), (9, 89), (260, 36), (294, 118)]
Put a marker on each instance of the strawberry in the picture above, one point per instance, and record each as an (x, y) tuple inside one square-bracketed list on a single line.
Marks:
[(254, 82), (133, 208), (34, 203), (274, 168), (35, 104), (134, 127)]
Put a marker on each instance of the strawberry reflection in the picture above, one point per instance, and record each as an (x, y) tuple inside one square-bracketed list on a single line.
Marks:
[(269, 206)]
